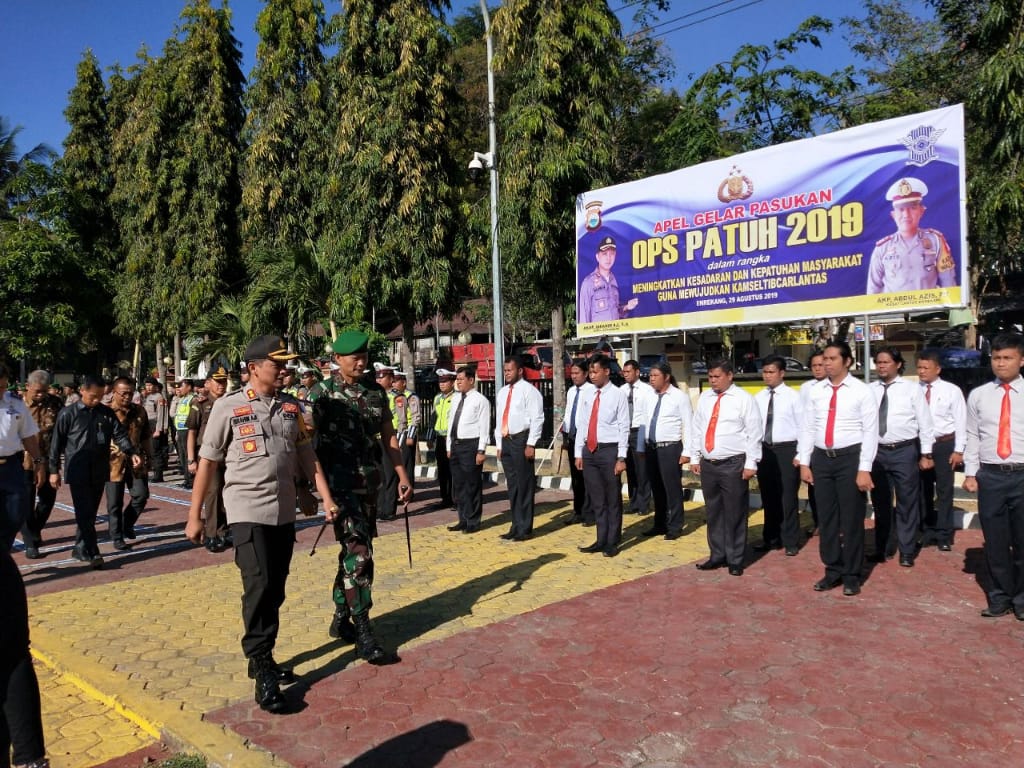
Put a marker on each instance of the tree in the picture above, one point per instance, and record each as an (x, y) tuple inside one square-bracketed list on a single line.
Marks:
[(225, 331), (393, 209), (11, 165)]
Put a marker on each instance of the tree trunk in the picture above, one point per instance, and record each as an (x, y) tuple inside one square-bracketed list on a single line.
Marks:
[(557, 371), (161, 369), (405, 349), (137, 360), (177, 353)]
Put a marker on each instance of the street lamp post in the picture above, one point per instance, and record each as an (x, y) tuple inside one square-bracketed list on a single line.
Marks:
[(491, 163)]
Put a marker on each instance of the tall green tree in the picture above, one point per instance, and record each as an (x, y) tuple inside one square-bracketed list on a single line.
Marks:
[(393, 206)]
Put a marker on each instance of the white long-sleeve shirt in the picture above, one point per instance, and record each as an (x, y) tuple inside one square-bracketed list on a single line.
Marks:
[(856, 420), (908, 416), (525, 411), (738, 429)]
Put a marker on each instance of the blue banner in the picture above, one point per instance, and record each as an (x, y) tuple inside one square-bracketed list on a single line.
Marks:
[(869, 220)]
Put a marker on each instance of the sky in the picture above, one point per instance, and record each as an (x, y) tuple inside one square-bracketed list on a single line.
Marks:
[(42, 41)]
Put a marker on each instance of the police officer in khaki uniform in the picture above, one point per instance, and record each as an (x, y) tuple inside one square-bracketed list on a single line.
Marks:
[(155, 403), (217, 537), (261, 439), (599, 292), (915, 258)]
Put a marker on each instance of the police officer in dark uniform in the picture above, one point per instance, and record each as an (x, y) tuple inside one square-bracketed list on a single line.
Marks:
[(260, 437), (349, 412)]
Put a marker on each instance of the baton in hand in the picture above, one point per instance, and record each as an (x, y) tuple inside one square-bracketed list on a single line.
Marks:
[(408, 534), (321, 533)]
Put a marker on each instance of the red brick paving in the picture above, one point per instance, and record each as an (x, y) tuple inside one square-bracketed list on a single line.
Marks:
[(688, 668)]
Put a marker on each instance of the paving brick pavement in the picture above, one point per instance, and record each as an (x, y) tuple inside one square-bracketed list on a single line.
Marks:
[(536, 654)]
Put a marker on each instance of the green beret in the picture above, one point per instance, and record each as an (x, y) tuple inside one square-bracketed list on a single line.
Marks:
[(350, 343)]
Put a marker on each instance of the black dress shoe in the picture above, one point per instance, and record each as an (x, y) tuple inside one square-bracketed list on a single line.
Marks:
[(673, 536), (588, 523), (120, 544), (595, 547), (767, 546), (876, 557), (655, 532), (792, 551), (32, 553), (907, 561), (508, 536), (945, 547), (611, 551), (735, 570), (1018, 614), (825, 584), (851, 589), (994, 613), (387, 518), (574, 520), (471, 529), (710, 565), (457, 527)]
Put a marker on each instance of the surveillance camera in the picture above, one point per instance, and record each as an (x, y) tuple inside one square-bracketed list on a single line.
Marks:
[(475, 167)]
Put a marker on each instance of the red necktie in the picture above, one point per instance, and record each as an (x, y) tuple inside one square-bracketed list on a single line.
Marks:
[(592, 428), (830, 424), (504, 416), (1003, 441), (709, 436), (928, 394)]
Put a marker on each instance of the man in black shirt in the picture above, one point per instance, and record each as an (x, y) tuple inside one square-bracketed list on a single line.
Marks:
[(83, 434)]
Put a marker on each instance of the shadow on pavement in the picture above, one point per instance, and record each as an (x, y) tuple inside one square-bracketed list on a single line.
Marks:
[(424, 747), (411, 621)]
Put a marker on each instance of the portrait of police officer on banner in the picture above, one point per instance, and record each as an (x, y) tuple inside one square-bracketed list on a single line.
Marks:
[(914, 258), (599, 291)]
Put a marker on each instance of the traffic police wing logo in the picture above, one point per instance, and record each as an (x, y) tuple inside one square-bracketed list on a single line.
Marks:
[(735, 186), (920, 144)]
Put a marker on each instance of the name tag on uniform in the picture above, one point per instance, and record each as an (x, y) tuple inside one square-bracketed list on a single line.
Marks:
[(236, 420)]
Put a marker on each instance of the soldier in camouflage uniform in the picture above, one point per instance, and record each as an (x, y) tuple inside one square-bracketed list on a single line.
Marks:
[(349, 412)]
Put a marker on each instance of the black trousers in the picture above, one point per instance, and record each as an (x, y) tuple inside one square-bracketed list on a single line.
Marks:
[(118, 519), (86, 497), (1001, 509), (21, 724), (181, 441), (468, 482), (13, 493), (937, 496), (580, 503), (159, 457), (841, 511), (387, 494), (263, 554), (779, 481), (666, 484), (409, 462), (637, 476), (38, 507), (604, 491), (896, 470), (727, 501), (444, 469), (521, 479)]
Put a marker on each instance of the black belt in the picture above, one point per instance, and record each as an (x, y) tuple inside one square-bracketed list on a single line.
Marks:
[(834, 452), (633, 430), (602, 445), (900, 444), (664, 444), (13, 457), (783, 444), (946, 438), (716, 462), (1003, 467), (466, 440), (516, 435)]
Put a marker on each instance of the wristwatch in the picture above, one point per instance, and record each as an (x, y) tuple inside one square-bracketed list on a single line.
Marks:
[(926, 455)]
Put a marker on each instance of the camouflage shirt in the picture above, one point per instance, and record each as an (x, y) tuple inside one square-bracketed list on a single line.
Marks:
[(45, 414), (348, 419), (136, 423)]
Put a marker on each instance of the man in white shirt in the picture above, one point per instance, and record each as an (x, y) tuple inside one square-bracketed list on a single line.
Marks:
[(638, 395), (580, 374), (602, 435), (467, 449), (18, 433), (949, 419), (725, 443), (516, 433), (778, 474), (905, 438), (817, 365), (838, 442), (994, 469), (661, 440)]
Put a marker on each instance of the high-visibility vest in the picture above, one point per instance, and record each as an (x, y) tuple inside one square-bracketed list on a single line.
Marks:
[(442, 405), (181, 415)]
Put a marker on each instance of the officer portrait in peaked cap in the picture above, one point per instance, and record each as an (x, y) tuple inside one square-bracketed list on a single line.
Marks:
[(599, 292), (914, 258)]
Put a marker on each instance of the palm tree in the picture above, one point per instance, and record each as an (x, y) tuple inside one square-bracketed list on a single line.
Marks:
[(225, 331), (12, 166)]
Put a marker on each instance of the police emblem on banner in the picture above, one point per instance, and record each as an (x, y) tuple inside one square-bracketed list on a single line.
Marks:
[(920, 144), (735, 186), (593, 219)]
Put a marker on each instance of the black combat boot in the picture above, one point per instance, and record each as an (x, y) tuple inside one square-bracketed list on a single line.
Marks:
[(284, 676), (341, 625), (268, 690), (366, 643)]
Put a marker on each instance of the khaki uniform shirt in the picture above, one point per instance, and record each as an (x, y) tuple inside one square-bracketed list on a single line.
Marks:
[(45, 414), (199, 417), (136, 423), (156, 410), (264, 446)]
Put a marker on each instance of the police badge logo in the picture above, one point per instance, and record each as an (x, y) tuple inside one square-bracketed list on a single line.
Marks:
[(920, 144), (735, 186), (593, 218)]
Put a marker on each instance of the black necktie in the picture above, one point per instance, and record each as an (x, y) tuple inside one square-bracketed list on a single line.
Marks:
[(458, 415), (630, 405), (883, 411), (769, 417), (572, 416), (653, 431)]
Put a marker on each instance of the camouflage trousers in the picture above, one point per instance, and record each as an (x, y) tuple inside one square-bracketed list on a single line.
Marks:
[(352, 585)]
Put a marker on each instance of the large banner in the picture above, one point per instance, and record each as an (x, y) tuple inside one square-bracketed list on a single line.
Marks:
[(869, 220)]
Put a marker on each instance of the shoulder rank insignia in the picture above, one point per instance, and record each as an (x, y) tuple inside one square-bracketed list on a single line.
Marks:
[(251, 393)]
